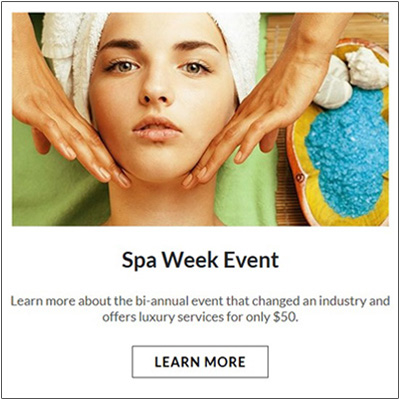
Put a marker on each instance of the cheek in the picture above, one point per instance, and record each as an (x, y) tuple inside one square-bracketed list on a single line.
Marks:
[(210, 108), (109, 105)]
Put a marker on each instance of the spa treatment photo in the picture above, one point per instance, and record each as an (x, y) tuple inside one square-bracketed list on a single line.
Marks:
[(209, 119)]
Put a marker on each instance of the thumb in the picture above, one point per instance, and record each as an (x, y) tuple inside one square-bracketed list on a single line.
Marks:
[(268, 141), (40, 141)]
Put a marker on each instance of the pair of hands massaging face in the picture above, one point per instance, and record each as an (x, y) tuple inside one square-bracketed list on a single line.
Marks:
[(277, 101)]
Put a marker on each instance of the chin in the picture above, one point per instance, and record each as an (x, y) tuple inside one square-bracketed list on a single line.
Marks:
[(159, 171)]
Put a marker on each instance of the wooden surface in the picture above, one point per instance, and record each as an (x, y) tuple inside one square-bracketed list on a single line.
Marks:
[(372, 27)]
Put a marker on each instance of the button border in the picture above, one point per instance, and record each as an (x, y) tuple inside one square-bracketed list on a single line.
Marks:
[(199, 377)]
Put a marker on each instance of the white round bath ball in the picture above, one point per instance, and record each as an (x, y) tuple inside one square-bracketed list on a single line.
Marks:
[(338, 68), (333, 93), (366, 71)]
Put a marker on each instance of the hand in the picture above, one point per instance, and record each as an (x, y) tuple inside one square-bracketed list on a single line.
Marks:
[(39, 101), (279, 98), (276, 102)]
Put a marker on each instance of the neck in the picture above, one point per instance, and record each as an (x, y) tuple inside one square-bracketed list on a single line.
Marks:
[(166, 204)]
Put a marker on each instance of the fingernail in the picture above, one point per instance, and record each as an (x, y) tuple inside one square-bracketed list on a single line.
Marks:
[(68, 150), (104, 173), (124, 180), (238, 156), (202, 173), (187, 180)]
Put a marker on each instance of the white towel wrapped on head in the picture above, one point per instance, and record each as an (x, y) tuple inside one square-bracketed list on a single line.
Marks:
[(71, 41)]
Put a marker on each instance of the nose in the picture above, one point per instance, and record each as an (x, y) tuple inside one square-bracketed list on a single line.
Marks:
[(156, 88)]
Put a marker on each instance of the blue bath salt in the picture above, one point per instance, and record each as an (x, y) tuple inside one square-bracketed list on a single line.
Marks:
[(350, 148)]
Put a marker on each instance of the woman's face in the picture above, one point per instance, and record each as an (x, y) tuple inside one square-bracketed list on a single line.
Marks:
[(160, 91)]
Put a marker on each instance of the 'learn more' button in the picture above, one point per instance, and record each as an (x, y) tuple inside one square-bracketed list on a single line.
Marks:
[(200, 361)]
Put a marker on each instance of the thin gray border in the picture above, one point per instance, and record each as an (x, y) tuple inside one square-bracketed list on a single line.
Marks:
[(121, 398), (201, 377)]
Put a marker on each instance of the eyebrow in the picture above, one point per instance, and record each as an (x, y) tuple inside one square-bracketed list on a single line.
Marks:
[(130, 44), (189, 45)]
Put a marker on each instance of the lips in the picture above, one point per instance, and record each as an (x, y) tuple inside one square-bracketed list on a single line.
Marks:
[(156, 129)]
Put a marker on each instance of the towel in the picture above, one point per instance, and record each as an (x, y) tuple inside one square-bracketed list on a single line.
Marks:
[(70, 40), (241, 33)]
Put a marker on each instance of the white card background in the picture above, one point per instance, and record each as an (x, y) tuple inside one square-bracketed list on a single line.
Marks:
[(71, 352)]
